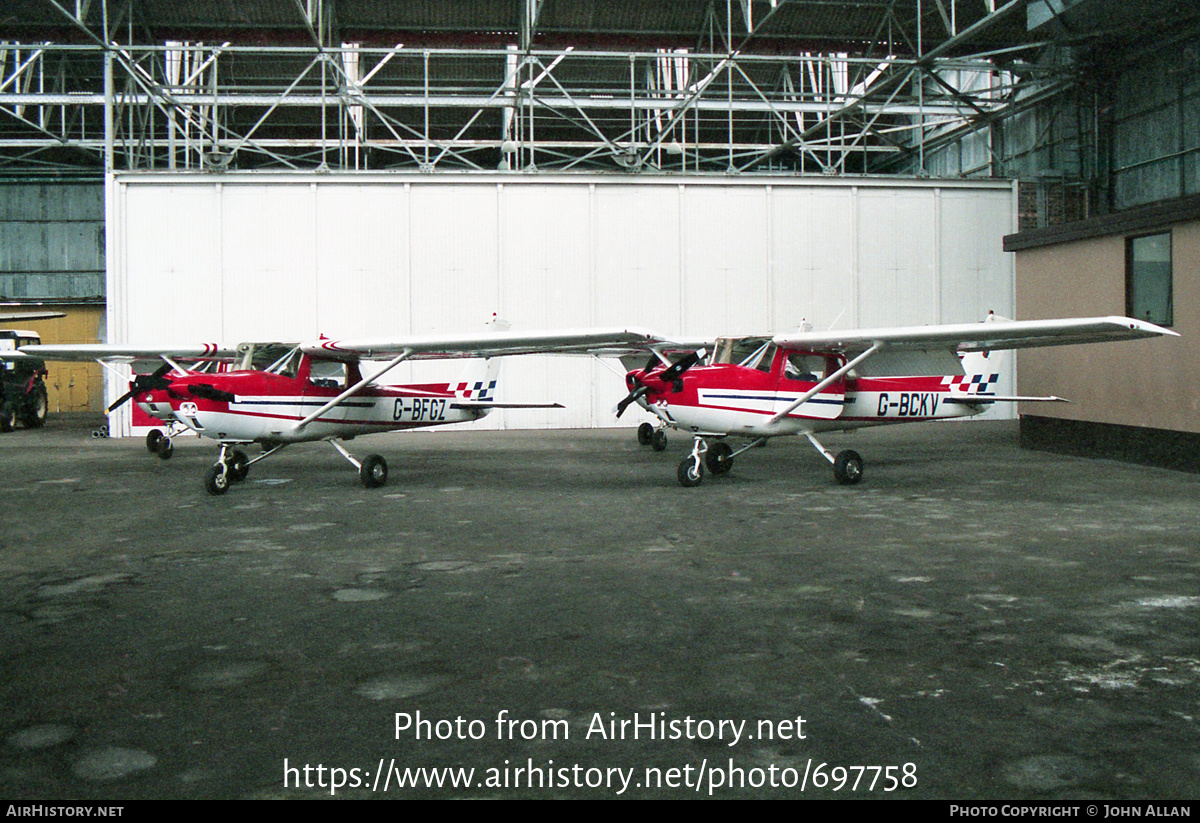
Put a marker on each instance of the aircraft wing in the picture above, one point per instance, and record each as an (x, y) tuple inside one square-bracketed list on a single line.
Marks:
[(17, 316), (987, 336), (488, 344), (124, 351)]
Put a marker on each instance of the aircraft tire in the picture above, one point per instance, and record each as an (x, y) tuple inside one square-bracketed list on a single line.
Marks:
[(719, 458), (658, 441), (152, 438), (373, 472), (238, 468), (645, 434), (164, 448), (217, 481), (690, 473), (847, 467)]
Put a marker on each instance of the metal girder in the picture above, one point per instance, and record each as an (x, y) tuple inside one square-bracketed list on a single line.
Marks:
[(341, 105)]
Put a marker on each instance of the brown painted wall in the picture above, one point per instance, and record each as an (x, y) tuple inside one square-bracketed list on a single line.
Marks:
[(1151, 383), (70, 387)]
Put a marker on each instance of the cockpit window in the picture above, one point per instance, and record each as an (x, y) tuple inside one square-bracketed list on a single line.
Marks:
[(263, 356), (806, 367), (762, 358), (288, 365), (330, 374), (751, 352)]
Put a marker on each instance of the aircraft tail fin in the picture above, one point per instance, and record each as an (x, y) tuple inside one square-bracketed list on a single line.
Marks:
[(478, 380), (982, 369), (981, 372)]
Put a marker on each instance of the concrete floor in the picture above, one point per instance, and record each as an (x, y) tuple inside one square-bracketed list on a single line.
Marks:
[(1012, 624)]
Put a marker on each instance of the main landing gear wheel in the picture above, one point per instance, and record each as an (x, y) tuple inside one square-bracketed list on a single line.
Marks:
[(217, 481), (719, 458), (658, 441), (847, 467), (164, 448), (152, 438), (691, 472), (238, 465), (373, 472), (645, 434)]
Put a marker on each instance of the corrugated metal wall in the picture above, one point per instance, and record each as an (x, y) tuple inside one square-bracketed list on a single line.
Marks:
[(52, 247), (237, 257), (1156, 129), (1130, 138), (52, 241)]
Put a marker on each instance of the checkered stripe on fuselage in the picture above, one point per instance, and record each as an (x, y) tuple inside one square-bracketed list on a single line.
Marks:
[(476, 390), (972, 383)]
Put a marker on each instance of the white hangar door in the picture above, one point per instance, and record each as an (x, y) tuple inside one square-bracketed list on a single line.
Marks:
[(232, 257)]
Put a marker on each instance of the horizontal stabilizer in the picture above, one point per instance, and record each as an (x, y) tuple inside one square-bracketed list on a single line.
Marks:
[(978, 399), (485, 404)]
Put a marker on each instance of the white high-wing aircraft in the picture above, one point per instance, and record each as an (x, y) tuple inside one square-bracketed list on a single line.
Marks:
[(807, 382), (317, 391)]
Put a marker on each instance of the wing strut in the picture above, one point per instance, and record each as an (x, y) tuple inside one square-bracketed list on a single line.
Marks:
[(828, 381), (353, 390)]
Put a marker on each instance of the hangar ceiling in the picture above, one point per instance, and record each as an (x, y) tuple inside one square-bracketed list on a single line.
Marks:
[(817, 86), (636, 85)]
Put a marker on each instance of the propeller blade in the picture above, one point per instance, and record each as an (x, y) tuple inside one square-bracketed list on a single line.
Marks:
[(122, 399), (155, 380), (143, 383), (680, 366), (634, 395), (211, 392)]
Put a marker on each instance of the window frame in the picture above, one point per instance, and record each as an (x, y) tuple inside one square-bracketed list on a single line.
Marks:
[(1131, 278)]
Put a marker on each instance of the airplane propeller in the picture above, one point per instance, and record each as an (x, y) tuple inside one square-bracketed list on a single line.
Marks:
[(639, 391), (144, 383), (680, 366), (668, 375)]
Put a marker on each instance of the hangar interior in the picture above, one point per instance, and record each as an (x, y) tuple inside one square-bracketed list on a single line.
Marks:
[(990, 624), (726, 111)]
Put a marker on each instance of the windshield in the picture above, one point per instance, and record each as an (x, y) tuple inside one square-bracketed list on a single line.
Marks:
[(262, 356), (751, 352)]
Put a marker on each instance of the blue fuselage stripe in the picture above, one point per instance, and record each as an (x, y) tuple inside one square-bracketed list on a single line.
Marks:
[(772, 398)]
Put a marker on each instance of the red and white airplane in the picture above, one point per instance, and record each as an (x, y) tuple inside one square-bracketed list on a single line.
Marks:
[(325, 390), (150, 393), (806, 383)]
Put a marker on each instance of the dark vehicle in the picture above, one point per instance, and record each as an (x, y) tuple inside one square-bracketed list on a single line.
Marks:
[(22, 383)]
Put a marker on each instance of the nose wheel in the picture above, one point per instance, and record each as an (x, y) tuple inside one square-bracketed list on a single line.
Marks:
[(691, 469), (164, 448), (160, 442), (656, 439), (231, 467)]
